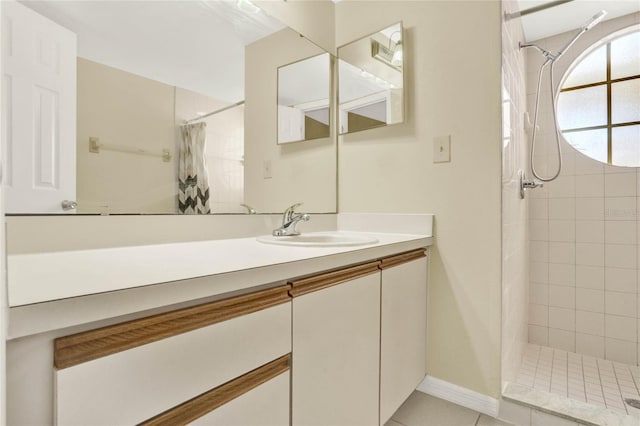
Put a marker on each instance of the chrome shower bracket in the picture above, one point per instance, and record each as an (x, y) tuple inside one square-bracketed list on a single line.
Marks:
[(527, 184)]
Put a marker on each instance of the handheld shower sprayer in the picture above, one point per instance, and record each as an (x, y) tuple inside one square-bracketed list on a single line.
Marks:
[(550, 59)]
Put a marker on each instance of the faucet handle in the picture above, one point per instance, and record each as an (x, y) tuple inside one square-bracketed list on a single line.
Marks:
[(289, 212), (292, 208)]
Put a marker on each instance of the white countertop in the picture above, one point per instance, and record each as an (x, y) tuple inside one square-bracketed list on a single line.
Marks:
[(53, 290)]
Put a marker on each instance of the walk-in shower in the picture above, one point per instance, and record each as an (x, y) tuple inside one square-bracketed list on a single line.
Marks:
[(570, 295)]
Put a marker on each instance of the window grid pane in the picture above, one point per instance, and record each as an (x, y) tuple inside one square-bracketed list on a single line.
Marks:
[(613, 143), (625, 57), (592, 69)]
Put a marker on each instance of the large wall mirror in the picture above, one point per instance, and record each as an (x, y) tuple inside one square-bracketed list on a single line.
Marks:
[(154, 79), (371, 81), (304, 99)]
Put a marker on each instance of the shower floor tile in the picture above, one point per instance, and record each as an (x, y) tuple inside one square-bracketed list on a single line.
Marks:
[(580, 377)]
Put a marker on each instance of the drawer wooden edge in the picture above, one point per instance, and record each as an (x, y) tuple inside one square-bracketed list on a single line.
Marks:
[(210, 400), (391, 261), (93, 344), (318, 282)]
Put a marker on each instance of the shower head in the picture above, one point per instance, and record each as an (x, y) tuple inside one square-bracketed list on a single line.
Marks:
[(595, 20)]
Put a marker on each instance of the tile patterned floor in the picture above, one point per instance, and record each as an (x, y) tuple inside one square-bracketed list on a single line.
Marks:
[(581, 377), (425, 410)]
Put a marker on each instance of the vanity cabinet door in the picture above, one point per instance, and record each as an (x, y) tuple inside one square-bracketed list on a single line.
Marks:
[(336, 344), (403, 329)]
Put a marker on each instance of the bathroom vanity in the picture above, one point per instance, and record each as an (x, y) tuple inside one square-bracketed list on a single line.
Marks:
[(261, 334)]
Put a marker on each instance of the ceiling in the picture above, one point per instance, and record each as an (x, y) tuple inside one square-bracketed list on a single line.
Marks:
[(194, 44), (569, 16)]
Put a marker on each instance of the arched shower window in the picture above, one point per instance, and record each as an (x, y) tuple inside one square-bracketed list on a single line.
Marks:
[(599, 102)]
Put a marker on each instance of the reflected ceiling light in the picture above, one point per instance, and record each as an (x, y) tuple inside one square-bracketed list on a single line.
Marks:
[(247, 6), (390, 54)]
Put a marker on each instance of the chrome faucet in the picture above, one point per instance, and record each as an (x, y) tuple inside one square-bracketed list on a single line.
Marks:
[(290, 220)]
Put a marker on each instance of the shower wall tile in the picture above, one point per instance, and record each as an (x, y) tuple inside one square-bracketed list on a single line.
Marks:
[(620, 184), (562, 208), (538, 230), (590, 231), (539, 335), (590, 185), (589, 254), (562, 274), (539, 315), (590, 345), (539, 251), (621, 328), (620, 304), (538, 208), (620, 208), (562, 318), (621, 351), (587, 166), (590, 300), (621, 280), (589, 208), (592, 277), (562, 339), (562, 231), (563, 187), (620, 256), (562, 296), (539, 272), (562, 252), (620, 232), (539, 293), (591, 323)]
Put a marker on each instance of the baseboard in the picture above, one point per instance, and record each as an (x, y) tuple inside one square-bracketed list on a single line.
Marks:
[(459, 395)]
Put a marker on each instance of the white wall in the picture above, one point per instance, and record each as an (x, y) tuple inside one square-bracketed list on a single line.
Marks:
[(585, 235), (515, 277), (452, 55)]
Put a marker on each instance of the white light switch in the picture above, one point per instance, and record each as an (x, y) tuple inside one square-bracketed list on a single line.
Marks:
[(442, 149), (266, 169)]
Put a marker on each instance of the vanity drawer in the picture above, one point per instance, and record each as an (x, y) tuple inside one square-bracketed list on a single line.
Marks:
[(223, 341)]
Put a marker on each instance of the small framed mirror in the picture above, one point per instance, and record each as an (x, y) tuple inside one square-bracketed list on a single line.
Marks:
[(371, 81), (304, 92)]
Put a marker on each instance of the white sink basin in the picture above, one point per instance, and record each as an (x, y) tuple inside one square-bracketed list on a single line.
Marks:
[(319, 240)]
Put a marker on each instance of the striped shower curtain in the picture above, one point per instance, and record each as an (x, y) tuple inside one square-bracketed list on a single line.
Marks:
[(193, 178)]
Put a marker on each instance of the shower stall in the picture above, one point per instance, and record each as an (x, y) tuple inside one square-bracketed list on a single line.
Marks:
[(571, 248)]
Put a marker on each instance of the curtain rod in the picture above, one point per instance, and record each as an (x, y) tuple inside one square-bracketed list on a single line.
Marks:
[(215, 112), (535, 9)]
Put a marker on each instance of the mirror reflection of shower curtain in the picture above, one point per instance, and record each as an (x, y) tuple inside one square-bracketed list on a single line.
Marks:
[(193, 179)]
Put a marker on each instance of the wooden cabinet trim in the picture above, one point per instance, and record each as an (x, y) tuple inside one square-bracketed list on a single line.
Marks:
[(391, 261), (318, 282), (205, 403), (82, 347)]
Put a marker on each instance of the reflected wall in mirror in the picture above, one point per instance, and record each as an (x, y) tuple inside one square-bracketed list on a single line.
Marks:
[(371, 81), (136, 90), (304, 93)]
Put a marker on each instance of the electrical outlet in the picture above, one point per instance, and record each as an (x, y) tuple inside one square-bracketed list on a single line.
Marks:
[(442, 149), (266, 169)]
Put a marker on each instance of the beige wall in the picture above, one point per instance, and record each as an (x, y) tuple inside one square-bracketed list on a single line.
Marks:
[(301, 172), (453, 88), (124, 109)]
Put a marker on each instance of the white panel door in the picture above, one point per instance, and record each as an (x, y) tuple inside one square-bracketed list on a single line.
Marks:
[(38, 111)]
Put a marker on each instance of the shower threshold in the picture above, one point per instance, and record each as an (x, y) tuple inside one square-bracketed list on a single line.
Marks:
[(581, 388)]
